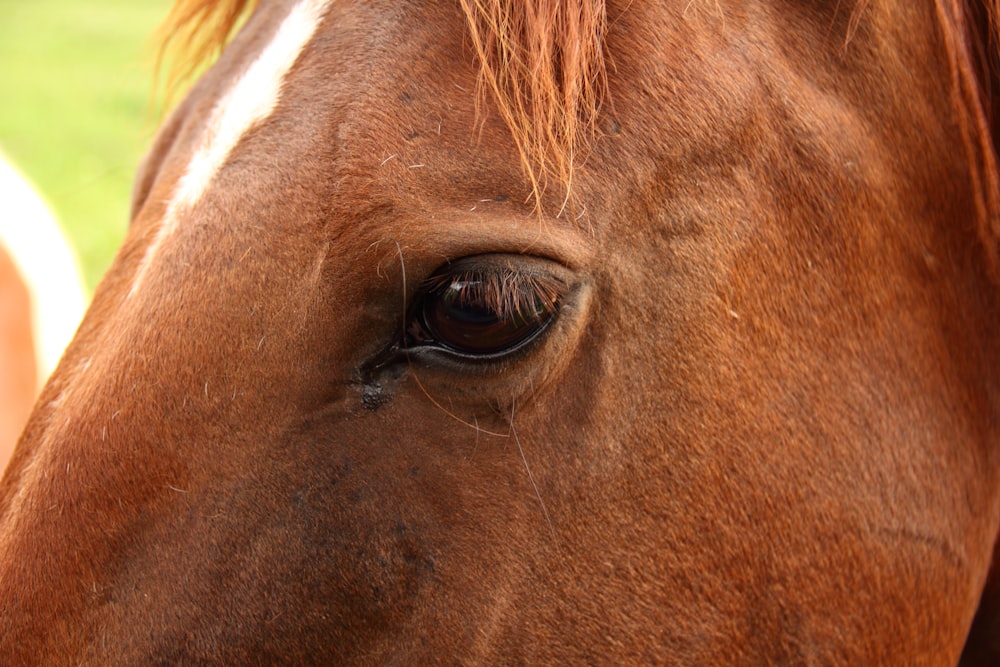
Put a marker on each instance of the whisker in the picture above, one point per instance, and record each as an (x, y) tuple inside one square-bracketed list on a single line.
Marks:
[(445, 410), (531, 478)]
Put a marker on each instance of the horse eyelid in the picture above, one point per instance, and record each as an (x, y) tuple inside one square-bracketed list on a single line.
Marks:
[(507, 310)]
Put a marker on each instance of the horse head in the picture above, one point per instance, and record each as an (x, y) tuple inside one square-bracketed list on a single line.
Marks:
[(553, 332)]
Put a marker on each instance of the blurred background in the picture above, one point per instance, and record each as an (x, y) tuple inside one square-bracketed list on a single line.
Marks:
[(76, 110), (76, 115)]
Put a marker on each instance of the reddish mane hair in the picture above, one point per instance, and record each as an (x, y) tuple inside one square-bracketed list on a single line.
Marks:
[(194, 32), (971, 30), (542, 64)]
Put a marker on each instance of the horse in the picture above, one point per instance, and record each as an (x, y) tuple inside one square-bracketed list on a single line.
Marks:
[(41, 300), (554, 332), (17, 355)]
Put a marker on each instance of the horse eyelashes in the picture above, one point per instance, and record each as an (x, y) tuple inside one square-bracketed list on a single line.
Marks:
[(483, 312)]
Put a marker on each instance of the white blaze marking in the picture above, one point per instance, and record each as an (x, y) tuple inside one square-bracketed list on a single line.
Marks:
[(250, 101)]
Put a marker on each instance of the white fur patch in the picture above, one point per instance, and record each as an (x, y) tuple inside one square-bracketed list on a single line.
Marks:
[(251, 100)]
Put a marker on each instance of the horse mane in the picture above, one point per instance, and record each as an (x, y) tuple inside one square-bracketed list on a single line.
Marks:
[(971, 30), (541, 62), (195, 31)]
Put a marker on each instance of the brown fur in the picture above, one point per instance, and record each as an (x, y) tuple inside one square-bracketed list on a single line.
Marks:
[(541, 66), (762, 428), (972, 33)]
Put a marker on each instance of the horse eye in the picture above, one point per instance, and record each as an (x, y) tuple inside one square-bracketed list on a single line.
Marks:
[(483, 312)]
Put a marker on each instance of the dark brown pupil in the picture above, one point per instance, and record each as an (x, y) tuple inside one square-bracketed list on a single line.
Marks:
[(472, 315)]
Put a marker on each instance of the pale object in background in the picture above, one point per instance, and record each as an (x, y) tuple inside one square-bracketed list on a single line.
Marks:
[(54, 304)]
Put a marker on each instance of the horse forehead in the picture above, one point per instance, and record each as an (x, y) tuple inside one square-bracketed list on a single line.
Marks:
[(250, 99), (323, 93), (247, 101)]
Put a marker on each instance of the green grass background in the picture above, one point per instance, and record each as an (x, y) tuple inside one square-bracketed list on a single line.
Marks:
[(76, 83)]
